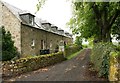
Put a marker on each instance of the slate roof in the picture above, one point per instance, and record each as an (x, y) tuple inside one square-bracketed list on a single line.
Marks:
[(38, 22), (13, 9)]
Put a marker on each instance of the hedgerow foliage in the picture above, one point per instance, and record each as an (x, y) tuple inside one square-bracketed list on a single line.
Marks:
[(71, 49), (9, 51), (100, 58)]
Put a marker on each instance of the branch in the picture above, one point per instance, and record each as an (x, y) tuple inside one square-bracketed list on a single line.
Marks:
[(113, 18)]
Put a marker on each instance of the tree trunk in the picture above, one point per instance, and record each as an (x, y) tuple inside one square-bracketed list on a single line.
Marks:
[(106, 37), (103, 22)]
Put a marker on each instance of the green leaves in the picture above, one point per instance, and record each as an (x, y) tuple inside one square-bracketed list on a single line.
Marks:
[(81, 20), (100, 57), (8, 49), (78, 41), (116, 28), (95, 19), (39, 4), (71, 49)]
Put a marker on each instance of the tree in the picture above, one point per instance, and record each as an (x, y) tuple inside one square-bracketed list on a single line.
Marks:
[(78, 41), (116, 29), (40, 4), (95, 19), (9, 51)]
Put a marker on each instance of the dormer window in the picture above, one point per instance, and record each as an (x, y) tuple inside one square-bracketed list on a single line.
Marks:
[(27, 18), (46, 24), (61, 31), (54, 28)]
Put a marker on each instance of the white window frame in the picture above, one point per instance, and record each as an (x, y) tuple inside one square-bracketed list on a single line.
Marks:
[(33, 43)]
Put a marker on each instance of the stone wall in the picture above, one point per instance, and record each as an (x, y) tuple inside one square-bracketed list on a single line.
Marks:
[(1, 14), (114, 70), (29, 33), (23, 65), (12, 24)]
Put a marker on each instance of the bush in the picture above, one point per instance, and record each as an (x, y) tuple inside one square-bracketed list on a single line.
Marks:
[(8, 49), (118, 48), (100, 58), (71, 49), (78, 40)]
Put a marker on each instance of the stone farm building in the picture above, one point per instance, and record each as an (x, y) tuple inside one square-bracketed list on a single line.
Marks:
[(30, 33)]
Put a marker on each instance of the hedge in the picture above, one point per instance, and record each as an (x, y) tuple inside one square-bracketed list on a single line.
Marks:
[(11, 68), (71, 49), (100, 57)]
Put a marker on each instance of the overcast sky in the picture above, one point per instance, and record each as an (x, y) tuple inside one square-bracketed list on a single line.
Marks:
[(57, 12)]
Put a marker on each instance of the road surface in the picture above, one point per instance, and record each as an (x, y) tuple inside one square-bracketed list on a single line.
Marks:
[(75, 69)]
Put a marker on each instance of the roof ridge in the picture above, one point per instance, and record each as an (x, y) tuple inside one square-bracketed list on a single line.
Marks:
[(7, 4)]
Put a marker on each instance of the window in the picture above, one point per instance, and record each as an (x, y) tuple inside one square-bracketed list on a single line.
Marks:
[(50, 44), (42, 44), (33, 43)]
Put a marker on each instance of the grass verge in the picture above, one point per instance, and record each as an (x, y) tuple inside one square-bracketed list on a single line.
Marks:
[(73, 55)]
